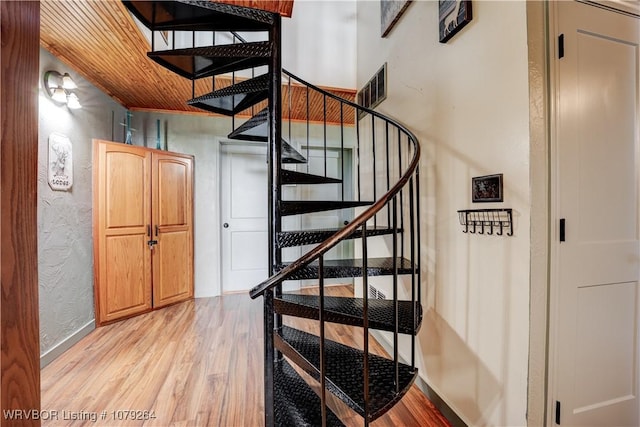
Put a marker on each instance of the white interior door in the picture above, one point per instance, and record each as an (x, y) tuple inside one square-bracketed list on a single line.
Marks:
[(594, 320), (244, 216)]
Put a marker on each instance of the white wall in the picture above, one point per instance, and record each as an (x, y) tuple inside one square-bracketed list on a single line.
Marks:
[(467, 101), (319, 42)]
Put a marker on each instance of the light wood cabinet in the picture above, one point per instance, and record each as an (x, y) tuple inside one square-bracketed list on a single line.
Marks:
[(143, 229)]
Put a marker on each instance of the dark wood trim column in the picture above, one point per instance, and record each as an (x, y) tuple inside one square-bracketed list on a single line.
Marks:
[(19, 312)]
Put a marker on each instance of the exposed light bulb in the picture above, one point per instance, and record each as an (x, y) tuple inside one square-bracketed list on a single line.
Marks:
[(59, 95), (73, 101), (67, 82)]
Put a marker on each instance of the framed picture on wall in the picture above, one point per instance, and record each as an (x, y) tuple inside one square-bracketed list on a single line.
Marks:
[(453, 16), (486, 188), (390, 12)]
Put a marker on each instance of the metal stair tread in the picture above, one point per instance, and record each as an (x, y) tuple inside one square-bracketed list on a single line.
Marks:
[(199, 15), (349, 311), (297, 207), (287, 239), (345, 371), (289, 177), (352, 268), (254, 129), (288, 154), (198, 62), (295, 403), (232, 99)]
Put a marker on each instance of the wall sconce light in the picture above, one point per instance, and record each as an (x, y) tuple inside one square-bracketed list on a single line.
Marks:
[(59, 87)]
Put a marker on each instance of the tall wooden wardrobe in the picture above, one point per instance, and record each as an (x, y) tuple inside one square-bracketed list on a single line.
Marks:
[(142, 229)]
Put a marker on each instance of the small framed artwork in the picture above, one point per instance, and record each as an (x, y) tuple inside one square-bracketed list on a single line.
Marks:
[(390, 12), (486, 188), (453, 16)]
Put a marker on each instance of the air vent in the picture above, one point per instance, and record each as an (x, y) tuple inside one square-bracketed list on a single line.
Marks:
[(375, 293), (374, 92)]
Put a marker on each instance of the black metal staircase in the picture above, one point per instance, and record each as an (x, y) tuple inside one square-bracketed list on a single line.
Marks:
[(386, 156)]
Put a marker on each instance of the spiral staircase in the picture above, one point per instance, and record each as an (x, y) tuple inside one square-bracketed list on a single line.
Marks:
[(386, 158)]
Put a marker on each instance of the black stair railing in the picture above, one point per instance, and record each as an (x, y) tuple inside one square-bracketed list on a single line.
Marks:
[(387, 156), (395, 197)]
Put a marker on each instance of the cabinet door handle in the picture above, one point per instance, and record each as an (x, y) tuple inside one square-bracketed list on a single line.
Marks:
[(157, 230), (149, 230)]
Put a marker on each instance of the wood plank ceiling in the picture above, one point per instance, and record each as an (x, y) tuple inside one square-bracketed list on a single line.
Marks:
[(101, 42)]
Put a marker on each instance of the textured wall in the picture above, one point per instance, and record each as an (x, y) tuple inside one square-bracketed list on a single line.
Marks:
[(65, 244)]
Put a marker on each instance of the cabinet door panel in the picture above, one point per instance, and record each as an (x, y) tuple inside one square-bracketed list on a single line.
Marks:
[(125, 189), (125, 269), (172, 202), (122, 219), (172, 271)]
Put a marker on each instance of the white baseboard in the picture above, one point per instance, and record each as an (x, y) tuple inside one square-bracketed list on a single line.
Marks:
[(66, 344)]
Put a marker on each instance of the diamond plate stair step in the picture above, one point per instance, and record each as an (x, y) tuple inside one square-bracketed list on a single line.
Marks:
[(292, 177), (288, 154), (198, 62), (254, 129), (297, 207), (352, 268), (198, 15), (348, 311), (257, 129), (232, 99), (345, 371), (287, 239), (295, 403)]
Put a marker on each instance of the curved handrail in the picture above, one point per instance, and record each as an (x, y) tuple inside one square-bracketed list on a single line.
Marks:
[(350, 228)]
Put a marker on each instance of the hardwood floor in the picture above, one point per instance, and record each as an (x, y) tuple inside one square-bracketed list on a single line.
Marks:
[(197, 363)]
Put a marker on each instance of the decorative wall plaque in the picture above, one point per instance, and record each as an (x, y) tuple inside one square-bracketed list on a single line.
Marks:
[(60, 170)]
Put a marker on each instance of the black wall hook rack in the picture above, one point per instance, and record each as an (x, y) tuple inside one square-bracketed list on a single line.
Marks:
[(487, 221)]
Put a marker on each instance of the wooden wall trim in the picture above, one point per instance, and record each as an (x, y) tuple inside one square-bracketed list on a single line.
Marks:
[(19, 308)]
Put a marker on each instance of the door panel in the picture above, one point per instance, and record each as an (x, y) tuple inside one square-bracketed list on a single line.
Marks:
[(595, 370), (243, 210), (127, 290), (594, 333), (172, 271), (122, 214), (125, 171), (173, 186), (173, 228)]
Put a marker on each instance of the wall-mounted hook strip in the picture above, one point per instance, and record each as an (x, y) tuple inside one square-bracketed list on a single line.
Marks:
[(475, 221), (462, 217)]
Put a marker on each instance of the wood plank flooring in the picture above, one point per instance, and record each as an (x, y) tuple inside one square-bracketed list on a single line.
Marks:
[(197, 363)]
